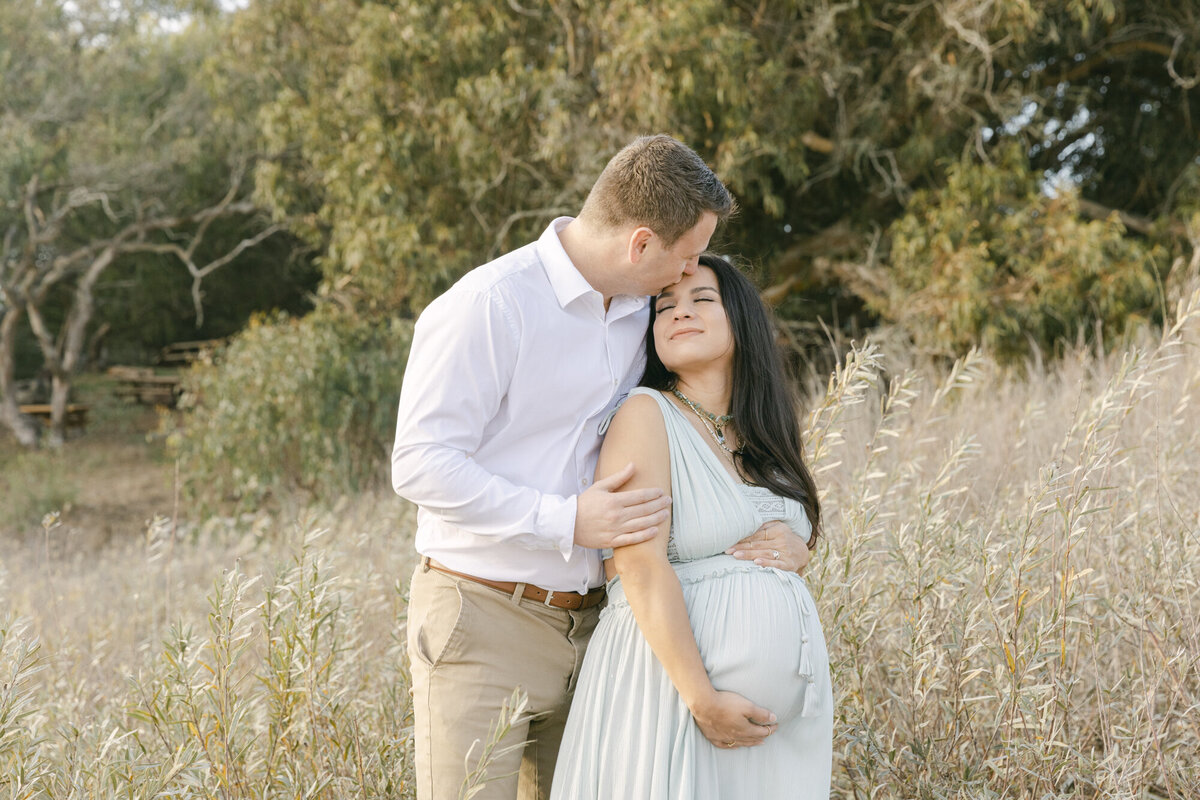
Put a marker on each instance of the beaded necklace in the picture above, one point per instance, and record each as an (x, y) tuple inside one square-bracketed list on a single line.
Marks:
[(712, 423)]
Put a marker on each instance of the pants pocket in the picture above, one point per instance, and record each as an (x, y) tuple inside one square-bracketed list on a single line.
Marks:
[(438, 611)]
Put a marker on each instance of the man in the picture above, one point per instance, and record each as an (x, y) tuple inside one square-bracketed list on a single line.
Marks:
[(510, 375)]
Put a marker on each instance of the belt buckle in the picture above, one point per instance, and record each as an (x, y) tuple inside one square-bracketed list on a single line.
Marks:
[(549, 597)]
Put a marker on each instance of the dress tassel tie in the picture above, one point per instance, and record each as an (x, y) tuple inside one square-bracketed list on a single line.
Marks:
[(806, 671)]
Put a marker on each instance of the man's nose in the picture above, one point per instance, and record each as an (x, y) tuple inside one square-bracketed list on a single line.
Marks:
[(689, 266)]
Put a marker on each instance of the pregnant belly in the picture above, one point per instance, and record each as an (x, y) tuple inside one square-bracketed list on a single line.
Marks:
[(757, 632)]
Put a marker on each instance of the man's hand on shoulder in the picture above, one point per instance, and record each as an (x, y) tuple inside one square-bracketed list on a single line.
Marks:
[(608, 517)]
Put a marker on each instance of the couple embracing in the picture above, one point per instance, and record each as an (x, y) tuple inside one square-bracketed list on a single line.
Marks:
[(614, 513)]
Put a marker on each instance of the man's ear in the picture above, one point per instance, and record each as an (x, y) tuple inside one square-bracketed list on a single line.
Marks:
[(639, 240)]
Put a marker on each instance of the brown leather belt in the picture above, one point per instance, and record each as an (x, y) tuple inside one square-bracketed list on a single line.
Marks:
[(572, 601)]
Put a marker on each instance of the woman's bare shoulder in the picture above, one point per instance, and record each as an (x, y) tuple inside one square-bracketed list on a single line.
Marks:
[(639, 413), (638, 434)]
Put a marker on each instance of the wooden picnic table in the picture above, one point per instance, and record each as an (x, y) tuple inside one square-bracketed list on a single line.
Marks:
[(146, 386), (188, 352), (75, 416)]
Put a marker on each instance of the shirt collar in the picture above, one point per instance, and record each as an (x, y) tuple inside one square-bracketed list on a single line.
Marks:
[(568, 283)]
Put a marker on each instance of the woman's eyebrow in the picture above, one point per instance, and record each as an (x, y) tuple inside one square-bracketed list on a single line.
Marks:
[(666, 294)]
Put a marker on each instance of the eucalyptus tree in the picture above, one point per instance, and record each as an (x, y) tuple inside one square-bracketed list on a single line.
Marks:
[(413, 140), (109, 147), (424, 137)]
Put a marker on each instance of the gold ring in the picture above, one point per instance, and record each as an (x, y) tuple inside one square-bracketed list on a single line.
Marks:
[(730, 743)]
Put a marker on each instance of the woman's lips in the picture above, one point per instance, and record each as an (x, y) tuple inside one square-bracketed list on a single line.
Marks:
[(685, 332)]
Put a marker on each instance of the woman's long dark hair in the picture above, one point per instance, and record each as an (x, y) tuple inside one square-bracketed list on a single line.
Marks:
[(764, 411)]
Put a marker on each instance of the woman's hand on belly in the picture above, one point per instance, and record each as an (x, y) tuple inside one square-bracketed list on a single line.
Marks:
[(774, 544), (729, 720)]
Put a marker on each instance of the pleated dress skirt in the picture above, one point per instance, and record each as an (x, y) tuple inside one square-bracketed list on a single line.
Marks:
[(631, 737)]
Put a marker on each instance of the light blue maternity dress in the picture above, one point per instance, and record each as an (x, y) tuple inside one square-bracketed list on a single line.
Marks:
[(629, 735)]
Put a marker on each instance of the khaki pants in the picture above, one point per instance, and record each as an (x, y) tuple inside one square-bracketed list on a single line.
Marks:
[(470, 646)]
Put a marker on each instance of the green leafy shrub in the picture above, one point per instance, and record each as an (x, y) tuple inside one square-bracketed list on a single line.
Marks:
[(294, 405), (991, 259)]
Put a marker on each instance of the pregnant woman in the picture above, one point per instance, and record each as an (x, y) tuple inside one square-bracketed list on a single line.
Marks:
[(707, 677)]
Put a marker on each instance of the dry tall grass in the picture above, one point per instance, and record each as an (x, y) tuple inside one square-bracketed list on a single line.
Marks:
[(247, 658), (1010, 587)]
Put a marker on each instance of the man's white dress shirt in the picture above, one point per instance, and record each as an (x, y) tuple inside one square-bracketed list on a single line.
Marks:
[(510, 375)]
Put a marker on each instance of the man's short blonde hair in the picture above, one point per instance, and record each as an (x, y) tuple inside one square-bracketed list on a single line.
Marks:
[(659, 182)]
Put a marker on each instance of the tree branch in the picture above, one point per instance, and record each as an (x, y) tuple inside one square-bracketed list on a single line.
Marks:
[(236, 251), (219, 208), (31, 211), (522, 10), (7, 258), (138, 230), (569, 30), (200, 273), (1187, 84), (1133, 222), (512, 219), (26, 279)]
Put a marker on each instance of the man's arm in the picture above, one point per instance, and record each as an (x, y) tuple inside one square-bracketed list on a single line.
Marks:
[(460, 366)]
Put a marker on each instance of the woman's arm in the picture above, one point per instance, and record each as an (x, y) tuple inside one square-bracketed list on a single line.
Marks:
[(638, 435)]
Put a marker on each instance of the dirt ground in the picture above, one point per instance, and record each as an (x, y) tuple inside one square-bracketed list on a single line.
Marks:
[(123, 497), (107, 481)]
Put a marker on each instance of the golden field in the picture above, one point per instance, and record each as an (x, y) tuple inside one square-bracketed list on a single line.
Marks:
[(1009, 582)]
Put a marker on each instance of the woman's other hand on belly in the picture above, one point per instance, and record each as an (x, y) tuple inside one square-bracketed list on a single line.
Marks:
[(774, 545)]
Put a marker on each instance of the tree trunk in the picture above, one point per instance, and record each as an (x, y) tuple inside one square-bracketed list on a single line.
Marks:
[(60, 388), (62, 360), (23, 428), (94, 355)]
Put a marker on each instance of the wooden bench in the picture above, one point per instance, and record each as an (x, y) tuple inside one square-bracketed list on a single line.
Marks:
[(145, 386), (74, 417), (189, 352)]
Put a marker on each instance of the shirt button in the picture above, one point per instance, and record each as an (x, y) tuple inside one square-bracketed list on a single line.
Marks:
[(584, 482)]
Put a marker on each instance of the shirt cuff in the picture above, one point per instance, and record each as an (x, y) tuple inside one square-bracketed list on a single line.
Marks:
[(556, 523)]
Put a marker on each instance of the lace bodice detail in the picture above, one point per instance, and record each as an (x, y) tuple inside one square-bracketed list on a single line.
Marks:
[(766, 503)]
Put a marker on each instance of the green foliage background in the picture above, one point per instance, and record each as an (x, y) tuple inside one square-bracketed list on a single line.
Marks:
[(993, 172), (890, 160), (96, 99), (423, 139), (304, 405), (991, 259)]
